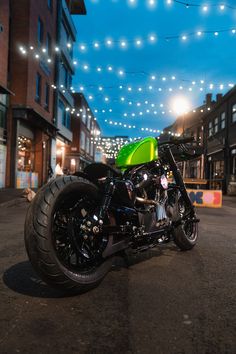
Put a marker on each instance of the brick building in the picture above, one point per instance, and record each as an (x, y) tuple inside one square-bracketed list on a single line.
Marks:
[(30, 119), (191, 123), (85, 130), (214, 123), (4, 90), (37, 114), (220, 143), (64, 102)]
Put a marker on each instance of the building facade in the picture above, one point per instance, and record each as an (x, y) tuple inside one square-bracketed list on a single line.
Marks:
[(4, 90), (36, 66), (220, 143), (64, 101), (30, 118), (191, 124), (85, 132), (214, 124)]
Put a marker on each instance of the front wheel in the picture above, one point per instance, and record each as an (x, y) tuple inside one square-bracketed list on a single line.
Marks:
[(186, 233), (61, 252)]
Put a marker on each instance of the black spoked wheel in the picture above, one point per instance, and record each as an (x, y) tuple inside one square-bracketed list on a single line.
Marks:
[(75, 248), (186, 233), (59, 238)]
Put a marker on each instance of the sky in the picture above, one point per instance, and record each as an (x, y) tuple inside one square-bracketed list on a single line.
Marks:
[(132, 86)]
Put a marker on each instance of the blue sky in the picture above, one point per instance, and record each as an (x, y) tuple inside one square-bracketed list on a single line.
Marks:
[(207, 57)]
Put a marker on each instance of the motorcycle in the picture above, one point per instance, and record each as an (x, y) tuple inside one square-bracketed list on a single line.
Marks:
[(76, 225)]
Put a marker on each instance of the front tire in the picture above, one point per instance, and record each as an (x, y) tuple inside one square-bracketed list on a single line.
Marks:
[(186, 233), (52, 236)]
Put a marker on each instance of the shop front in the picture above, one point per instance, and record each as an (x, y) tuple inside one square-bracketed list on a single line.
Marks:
[(26, 176), (33, 151), (3, 139), (216, 170)]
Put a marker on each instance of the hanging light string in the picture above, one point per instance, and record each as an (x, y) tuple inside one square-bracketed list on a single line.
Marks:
[(139, 42), (124, 43), (153, 77), (189, 87), (221, 6)]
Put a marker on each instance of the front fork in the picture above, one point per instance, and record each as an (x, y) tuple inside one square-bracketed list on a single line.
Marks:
[(179, 181)]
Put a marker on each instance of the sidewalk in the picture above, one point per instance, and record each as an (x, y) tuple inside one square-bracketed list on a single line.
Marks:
[(229, 201), (11, 196)]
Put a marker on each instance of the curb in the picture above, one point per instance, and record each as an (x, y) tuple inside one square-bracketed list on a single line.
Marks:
[(13, 202)]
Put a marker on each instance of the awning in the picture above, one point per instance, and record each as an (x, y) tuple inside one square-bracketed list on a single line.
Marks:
[(29, 114), (4, 90)]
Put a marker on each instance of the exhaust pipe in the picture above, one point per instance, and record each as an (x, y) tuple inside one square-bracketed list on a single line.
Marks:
[(146, 201)]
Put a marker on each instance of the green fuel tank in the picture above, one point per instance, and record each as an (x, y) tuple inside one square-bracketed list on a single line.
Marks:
[(137, 153)]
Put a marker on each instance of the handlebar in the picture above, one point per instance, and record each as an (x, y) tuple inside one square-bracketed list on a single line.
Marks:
[(177, 141)]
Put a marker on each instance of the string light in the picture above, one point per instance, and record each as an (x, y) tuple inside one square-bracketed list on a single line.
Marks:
[(205, 8)]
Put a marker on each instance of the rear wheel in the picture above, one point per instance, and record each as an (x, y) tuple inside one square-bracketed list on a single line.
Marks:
[(63, 252), (186, 233)]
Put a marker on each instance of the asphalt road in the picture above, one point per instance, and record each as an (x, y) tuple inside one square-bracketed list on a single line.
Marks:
[(167, 301)]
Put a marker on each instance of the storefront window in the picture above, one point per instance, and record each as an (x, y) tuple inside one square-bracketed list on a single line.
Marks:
[(25, 158), (218, 169)]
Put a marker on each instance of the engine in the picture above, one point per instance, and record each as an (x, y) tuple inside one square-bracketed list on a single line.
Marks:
[(151, 192)]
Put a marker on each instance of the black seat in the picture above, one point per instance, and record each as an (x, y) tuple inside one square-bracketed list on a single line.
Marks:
[(99, 170)]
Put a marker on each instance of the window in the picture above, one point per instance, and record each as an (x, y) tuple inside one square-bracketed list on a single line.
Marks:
[(2, 117), (88, 122), (40, 32), (49, 45), (63, 115), (87, 145), (66, 78), (47, 93), (38, 87), (234, 113), (82, 140), (50, 4), (216, 128), (66, 39), (210, 129), (222, 120)]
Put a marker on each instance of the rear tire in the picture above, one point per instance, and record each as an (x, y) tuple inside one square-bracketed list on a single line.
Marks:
[(41, 243)]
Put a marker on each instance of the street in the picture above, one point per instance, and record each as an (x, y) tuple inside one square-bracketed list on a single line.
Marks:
[(166, 301)]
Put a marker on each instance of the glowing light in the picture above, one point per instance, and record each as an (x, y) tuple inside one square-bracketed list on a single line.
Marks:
[(222, 7), (180, 105), (205, 8), (152, 38), (184, 38), (109, 42), (96, 45)]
